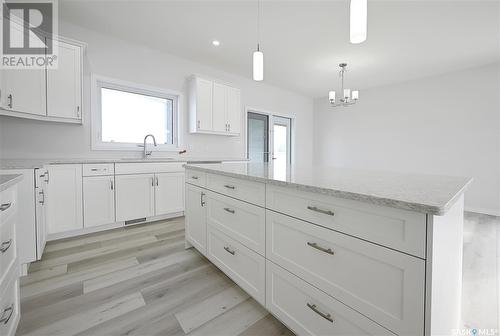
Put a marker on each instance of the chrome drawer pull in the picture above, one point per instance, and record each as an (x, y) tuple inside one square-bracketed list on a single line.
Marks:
[(194, 177), (316, 310), (229, 186), (5, 206), (94, 169), (5, 245), (5, 319), (202, 201), (326, 212), (229, 250), (229, 210), (316, 246)]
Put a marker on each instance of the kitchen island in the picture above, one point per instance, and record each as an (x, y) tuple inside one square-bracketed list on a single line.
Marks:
[(335, 251)]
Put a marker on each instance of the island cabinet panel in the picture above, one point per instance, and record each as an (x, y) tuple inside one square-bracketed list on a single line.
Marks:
[(196, 226), (245, 222), (382, 284), (248, 191), (309, 311), (399, 229), (196, 177), (246, 267)]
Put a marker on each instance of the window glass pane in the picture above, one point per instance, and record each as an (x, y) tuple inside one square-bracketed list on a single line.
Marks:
[(128, 117), (280, 152)]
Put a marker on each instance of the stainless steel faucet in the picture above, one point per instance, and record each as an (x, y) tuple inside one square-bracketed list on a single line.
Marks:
[(146, 152)]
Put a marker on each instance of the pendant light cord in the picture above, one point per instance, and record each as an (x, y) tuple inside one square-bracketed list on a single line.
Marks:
[(258, 25)]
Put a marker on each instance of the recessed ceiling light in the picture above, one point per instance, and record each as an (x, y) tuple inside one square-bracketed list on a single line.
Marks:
[(216, 43)]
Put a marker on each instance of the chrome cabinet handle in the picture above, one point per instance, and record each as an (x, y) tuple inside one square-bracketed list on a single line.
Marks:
[(198, 124), (94, 169), (112, 185), (229, 186), (317, 311), (9, 104), (5, 206), (156, 180), (152, 181), (42, 201), (47, 176), (229, 250), (194, 177), (5, 245), (202, 202), (229, 210), (326, 212), (9, 310), (322, 249)]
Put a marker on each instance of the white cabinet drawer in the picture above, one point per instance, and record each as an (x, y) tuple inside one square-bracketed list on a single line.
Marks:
[(98, 169), (196, 177), (9, 305), (148, 167), (309, 311), (252, 192), (8, 204), (8, 251), (241, 221), (385, 285), (246, 267), (395, 228)]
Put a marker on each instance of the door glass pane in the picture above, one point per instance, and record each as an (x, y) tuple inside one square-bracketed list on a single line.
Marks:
[(258, 146), (280, 158)]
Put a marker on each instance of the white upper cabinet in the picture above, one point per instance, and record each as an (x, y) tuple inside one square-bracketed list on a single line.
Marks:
[(46, 94), (64, 84), (65, 193), (214, 107), (23, 91)]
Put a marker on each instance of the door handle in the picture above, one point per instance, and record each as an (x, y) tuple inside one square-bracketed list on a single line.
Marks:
[(42, 201), (326, 212), (317, 311), (9, 104), (5, 245), (111, 184), (229, 250), (229, 210), (322, 249), (156, 180), (202, 202), (229, 186), (9, 310), (5, 206)]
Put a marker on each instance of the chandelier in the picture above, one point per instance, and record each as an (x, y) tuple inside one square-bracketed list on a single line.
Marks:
[(348, 97)]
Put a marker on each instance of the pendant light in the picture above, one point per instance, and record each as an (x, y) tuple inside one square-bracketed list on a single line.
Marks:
[(358, 22), (258, 56)]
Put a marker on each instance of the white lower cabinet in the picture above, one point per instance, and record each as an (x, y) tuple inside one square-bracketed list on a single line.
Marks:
[(98, 200), (309, 311), (196, 228), (134, 196), (169, 193), (65, 211), (246, 267)]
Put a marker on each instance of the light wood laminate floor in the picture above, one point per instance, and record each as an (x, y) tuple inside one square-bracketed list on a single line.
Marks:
[(137, 280)]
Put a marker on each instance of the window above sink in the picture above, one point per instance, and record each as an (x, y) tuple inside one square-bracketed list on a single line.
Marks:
[(123, 113)]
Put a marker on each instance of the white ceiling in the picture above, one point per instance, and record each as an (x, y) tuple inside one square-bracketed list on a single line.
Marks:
[(303, 41)]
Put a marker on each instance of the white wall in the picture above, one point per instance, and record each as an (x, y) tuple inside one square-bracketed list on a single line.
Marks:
[(118, 59), (448, 125)]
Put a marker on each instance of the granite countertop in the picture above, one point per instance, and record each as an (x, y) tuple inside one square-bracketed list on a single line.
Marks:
[(6, 181), (39, 163), (433, 194)]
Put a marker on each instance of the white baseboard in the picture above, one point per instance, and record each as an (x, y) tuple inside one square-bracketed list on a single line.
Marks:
[(84, 231), (491, 212)]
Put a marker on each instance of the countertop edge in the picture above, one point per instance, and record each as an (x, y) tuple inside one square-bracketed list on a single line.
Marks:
[(382, 201)]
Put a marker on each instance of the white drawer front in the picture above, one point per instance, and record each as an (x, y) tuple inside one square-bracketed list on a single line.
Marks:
[(309, 311), (7, 246), (241, 221), (148, 167), (399, 229), (9, 306), (196, 177), (385, 285), (252, 192), (8, 199), (241, 264), (98, 169)]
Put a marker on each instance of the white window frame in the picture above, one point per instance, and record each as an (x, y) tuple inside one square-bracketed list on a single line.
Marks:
[(99, 82)]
